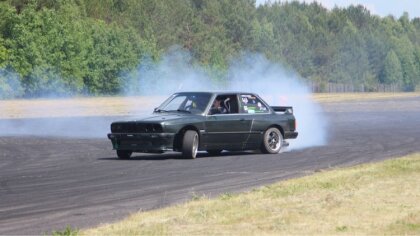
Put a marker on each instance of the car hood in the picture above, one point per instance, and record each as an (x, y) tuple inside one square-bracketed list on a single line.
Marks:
[(155, 118), (163, 117)]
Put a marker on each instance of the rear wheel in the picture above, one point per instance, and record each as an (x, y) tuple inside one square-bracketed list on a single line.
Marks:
[(214, 152), (123, 154), (272, 141), (190, 144)]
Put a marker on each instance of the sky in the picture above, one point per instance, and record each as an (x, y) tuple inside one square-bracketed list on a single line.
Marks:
[(377, 7)]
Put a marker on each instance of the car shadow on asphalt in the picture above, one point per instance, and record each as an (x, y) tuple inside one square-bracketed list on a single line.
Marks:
[(176, 156)]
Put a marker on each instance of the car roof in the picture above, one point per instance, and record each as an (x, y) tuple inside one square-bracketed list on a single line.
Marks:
[(215, 92)]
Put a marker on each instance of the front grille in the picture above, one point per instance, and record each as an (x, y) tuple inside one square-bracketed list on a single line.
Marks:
[(135, 128)]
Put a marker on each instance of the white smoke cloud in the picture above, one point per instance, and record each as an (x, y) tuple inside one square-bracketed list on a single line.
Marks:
[(177, 72), (32, 125), (9, 84), (248, 73), (279, 86)]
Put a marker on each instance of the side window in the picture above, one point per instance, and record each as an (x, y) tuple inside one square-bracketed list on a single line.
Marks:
[(224, 104), (251, 104)]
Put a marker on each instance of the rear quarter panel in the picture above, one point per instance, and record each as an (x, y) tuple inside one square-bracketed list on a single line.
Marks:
[(262, 122)]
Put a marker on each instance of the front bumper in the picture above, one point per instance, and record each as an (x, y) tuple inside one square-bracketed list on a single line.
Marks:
[(142, 142)]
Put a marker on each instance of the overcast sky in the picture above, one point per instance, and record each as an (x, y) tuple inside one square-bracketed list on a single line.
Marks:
[(378, 7)]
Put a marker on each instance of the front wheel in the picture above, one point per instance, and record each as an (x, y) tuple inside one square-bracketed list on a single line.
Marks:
[(190, 144), (272, 141), (123, 154)]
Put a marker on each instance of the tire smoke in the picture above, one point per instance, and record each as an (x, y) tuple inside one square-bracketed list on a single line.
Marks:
[(281, 87), (248, 73), (176, 72)]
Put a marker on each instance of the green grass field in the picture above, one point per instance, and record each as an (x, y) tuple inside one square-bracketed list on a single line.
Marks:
[(378, 198)]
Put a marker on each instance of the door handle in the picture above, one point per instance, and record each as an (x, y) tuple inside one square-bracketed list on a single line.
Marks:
[(242, 119)]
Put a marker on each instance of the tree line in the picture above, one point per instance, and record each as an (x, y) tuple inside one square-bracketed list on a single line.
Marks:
[(84, 46)]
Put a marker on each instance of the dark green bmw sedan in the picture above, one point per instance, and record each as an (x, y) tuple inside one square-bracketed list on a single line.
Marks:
[(188, 122)]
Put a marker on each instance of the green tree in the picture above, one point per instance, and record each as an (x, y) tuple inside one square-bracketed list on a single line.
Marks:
[(3, 53), (405, 51), (392, 69), (111, 51), (47, 51), (262, 36), (85, 46), (417, 65), (351, 61)]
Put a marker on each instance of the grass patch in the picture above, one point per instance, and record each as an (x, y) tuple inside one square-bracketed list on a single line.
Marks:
[(89, 106), (407, 225), (68, 231), (343, 97), (379, 198)]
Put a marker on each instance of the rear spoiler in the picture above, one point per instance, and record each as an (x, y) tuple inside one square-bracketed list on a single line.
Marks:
[(286, 110)]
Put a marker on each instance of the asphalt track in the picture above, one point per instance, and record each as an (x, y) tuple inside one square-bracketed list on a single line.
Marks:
[(47, 183)]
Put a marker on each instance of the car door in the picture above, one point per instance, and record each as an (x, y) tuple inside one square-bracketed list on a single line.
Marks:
[(227, 130)]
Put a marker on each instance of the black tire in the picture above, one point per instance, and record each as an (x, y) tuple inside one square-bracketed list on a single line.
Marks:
[(272, 141), (123, 154), (214, 152), (190, 144)]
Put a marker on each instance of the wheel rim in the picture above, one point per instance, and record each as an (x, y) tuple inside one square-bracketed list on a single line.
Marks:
[(195, 145), (273, 140)]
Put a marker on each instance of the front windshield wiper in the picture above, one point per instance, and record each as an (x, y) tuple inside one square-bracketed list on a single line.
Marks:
[(160, 110), (185, 111), (179, 110)]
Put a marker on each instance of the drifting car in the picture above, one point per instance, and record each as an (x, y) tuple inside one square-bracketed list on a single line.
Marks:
[(189, 122)]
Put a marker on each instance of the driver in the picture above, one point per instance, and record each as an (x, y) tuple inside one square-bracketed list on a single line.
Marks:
[(216, 108)]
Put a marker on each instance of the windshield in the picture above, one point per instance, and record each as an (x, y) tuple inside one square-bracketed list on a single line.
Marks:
[(194, 103)]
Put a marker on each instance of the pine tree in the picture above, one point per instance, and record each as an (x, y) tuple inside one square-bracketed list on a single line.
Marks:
[(392, 69)]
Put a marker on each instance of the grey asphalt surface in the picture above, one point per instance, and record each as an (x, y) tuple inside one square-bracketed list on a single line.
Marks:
[(47, 183)]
